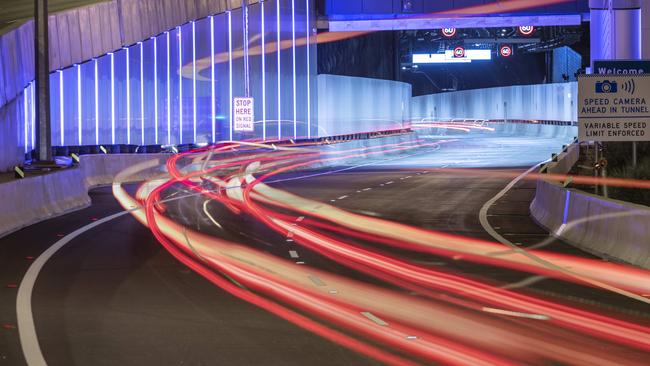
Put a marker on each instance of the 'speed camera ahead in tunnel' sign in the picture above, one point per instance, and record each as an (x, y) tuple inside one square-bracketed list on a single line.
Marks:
[(614, 108), (243, 114)]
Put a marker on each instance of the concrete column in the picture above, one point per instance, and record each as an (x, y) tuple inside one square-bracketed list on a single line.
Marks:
[(645, 26), (615, 29), (41, 48)]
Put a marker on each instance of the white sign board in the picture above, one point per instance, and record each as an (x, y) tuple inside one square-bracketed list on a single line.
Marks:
[(614, 108), (243, 114)]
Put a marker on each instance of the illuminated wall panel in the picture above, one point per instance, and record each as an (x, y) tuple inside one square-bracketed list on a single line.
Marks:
[(177, 87)]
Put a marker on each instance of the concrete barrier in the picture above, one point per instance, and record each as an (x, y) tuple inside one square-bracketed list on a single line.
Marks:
[(607, 228), (37, 198)]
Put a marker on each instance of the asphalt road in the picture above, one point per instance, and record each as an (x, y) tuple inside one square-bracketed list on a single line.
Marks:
[(114, 297)]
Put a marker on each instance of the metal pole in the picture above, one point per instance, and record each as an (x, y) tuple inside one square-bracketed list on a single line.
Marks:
[(634, 155), (42, 74)]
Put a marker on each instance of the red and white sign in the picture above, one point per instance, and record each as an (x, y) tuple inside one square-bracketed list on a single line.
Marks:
[(243, 114), (526, 30), (505, 51), (449, 32), (459, 52)]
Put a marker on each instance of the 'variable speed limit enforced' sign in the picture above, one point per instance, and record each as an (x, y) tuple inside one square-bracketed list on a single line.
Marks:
[(614, 108), (243, 115)]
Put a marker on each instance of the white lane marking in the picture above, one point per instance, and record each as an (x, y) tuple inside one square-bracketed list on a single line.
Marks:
[(412, 338), (366, 189), (343, 197), (301, 263), (317, 281), (524, 283), (294, 254), (546, 264), (334, 292), (26, 327), (205, 210), (516, 314), (374, 318), (389, 183)]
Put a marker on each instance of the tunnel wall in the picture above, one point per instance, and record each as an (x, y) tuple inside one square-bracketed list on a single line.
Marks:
[(549, 102), (135, 94), (352, 104)]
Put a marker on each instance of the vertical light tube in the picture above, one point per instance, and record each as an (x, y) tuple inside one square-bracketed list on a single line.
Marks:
[(112, 98), (141, 93), (279, 47), (194, 80), (180, 86), (169, 93), (79, 120), (96, 103), (213, 115), (26, 118), (128, 96), (293, 47), (230, 69), (308, 72), (61, 109), (155, 89), (33, 105), (263, 74)]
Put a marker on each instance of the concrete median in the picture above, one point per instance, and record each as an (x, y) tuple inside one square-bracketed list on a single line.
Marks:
[(608, 228)]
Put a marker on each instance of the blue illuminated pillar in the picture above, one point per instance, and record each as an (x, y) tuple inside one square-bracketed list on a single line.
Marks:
[(263, 74), (33, 104), (180, 85), (26, 118), (61, 109), (96, 102), (141, 93), (155, 89), (293, 50), (79, 117), (213, 94), (308, 70), (279, 48), (112, 98), (128, 97), (169, 93), (230, 71), (194, 80)]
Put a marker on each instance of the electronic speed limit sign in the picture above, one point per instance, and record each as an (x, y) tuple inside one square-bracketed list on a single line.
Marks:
[(459, 52), (505, 51), (449, 32), (526, 30)]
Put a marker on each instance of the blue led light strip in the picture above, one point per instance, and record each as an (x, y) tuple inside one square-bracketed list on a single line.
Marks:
[(96, 103), (293, 48), (308, 71), (128, 97), (230, 70), (61, 109), (212, 86), (194, 80), (112, 98), (263, 74), (79, 120), (155, 89), (180, 85), (279, 38), (141, 93)]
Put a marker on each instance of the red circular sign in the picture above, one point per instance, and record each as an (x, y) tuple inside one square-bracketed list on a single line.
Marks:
[(526, 30), (459, 52), (449, 32), (506, 51)]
